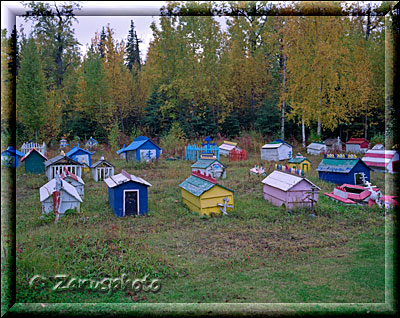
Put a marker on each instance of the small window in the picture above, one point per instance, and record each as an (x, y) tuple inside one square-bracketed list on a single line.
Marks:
[(360, 178)]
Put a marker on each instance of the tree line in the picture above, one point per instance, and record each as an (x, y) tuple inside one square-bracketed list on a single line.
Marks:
[(297, 75)]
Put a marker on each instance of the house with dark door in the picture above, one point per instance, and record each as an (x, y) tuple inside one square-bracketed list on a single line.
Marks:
[(141, 149), (127, 194)]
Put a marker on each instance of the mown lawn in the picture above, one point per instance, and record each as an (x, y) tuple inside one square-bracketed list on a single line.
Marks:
[(258, 254)]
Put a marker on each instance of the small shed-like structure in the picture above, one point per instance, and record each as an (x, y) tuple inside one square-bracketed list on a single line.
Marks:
[(357, 145), (227, 146), (81, 155), (121, 152), (342, 169), (316, 148), (57, 165), (34, 161), (63, 143), (293, 191), (127, 194), (212, 167), (300, 163), (382, 160), (102, 170), (10, 157), (203, 194), (75, 181), (141, 149), (91, 143), (276, 151), (70, 198), (334, 144)]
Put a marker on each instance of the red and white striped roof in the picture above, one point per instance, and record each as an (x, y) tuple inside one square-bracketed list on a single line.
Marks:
[(378, 158), (66, 173), (30, 151)]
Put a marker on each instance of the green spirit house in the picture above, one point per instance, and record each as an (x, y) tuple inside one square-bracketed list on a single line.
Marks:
[(34, 161)]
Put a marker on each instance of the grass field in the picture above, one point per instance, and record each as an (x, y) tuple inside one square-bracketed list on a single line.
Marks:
[(258, 254)]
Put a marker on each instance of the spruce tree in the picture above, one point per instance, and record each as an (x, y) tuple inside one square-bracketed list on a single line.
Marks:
[(132, 49)]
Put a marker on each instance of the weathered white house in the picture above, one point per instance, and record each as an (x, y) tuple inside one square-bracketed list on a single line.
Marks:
[(57, 165), (102, 169), (70, 198), (276, 151), (226, 147), (75, 181), (316, 148), (212, 167)]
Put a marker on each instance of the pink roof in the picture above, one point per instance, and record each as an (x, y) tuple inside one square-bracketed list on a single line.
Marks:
[(30, 151), (356, 141), (336, 197)]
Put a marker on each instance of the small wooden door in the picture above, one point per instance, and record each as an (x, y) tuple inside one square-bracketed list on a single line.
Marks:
[(131, 202)]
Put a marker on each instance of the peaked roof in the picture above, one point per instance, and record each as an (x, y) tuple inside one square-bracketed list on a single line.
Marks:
[(102, 160), (122, 178), (67, 173), (11, 150), (59, 158), (198, 183), (77, 148), (50, 187), (91, 139), (339, 165), (378, 158), (136, 143), (297, 160), (316, 145), (284, 181), (273, 145), (121, 150), (30, 151), (205, 163), (282, 141)]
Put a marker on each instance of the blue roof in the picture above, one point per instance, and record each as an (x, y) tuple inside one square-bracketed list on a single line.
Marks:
[(75, 149), (136, 143), (12, 151), (121, 150)]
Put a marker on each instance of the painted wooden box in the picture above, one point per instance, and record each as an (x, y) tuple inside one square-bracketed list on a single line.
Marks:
[(91, 143), (343, 170), (81, 155), (316, 148), (203, 194), (141, 149), (226, 147), (11, 158), (300, 163), (381, 160), (334, 144), (34, 161), (75, 181), (276, 151), (127, 194), (57, 165), (211, 167), (70, 198), (102, 170), (293, 191), (357, 145)]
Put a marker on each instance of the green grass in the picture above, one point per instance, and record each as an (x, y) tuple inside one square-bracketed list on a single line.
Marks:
[(258, 254)]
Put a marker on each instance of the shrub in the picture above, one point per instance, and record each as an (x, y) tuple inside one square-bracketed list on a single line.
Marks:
[(378, 139), (174, 142)]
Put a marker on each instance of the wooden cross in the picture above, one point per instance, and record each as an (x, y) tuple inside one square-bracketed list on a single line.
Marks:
[(310, 196), (225, 205)]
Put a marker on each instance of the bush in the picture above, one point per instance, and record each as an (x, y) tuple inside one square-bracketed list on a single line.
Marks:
[(378, 139), (174, 142), (113, 137)]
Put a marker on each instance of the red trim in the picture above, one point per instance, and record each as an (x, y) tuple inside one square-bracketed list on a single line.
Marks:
[(339, 198), (68, 173), (377, 155), (376, 164), (30, 151), (204, 176)]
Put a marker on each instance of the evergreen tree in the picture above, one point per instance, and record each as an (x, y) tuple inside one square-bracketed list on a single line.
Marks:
[(132, 49), (31, 94), (101, 44)]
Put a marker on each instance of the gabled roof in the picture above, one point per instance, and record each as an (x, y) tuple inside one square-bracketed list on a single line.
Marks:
[(50, 187), (378, 147), (102, 160), (12, 151), (197, 186), (121, 150), (122, 178), (338, 165), (228, 145), (66, 173), (378, 158), (30, 151), (92, 140), (316, 145), (273, 145), (137, 143), (284, 181), (77, 148), (298, 160), (282, 141), (205, 163), (59, 158)]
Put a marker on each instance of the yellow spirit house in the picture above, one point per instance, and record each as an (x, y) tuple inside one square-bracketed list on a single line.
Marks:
[(202, 194), (300, 163)]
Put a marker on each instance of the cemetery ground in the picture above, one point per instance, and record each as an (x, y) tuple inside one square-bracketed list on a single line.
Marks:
[(258, 254)]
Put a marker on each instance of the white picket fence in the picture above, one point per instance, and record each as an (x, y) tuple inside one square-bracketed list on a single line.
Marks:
[(28, 146)]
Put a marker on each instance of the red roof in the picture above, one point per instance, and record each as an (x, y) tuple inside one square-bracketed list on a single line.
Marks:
[(357, 141), (26, 156), (379, 155), (68, 173), (336, 197)]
